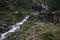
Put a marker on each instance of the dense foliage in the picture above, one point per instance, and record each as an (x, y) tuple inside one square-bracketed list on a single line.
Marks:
[(53, 5), (17, 5), (27, 5)]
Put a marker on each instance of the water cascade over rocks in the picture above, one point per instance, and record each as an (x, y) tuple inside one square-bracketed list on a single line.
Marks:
[(13, 29), (44, 6)]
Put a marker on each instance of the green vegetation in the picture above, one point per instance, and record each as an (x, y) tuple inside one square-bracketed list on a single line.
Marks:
[(17, 5), (53, 4), (42, 32), (9, 17), (32, 27), (27, 5), (49, 36)]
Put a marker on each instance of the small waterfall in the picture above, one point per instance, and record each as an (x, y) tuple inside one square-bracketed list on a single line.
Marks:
[(44, 6), (13, 29)]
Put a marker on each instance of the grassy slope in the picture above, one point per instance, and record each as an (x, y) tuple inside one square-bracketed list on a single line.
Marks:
[(36, 32)]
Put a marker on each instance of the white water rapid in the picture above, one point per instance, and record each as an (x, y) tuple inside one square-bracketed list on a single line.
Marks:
[(13, 29)]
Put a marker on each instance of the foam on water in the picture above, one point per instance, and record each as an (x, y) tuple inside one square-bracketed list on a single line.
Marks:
[(13, 29)]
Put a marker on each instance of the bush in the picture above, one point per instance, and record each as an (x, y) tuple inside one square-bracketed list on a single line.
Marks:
[(49, 36)]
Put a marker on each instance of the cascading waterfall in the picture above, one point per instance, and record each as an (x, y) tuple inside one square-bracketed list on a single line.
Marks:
[(13, 29), (44, 6)]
